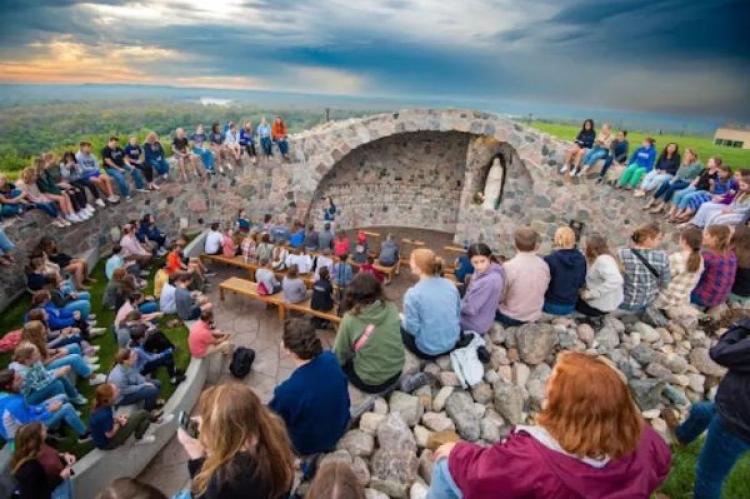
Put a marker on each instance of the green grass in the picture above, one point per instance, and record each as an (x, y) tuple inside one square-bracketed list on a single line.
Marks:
[(12, 318), (679, 485), (703, 145)]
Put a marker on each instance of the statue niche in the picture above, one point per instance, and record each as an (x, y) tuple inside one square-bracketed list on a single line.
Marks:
[(494, 183)]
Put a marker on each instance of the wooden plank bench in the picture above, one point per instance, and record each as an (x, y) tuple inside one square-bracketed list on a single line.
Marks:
[(248, 288), (304, 307), (252, 267)]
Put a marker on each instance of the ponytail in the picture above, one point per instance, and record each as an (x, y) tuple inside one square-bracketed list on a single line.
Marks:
[(693, 239)]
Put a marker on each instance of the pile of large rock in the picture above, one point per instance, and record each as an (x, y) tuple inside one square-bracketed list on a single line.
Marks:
[(390, 446)]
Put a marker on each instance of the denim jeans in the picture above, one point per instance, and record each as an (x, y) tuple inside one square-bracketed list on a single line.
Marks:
[(558, 308), (81, 305), (206, 156), (266, 145), (148, 394), (669, 188), (283, 146), (161, 166), (6, 246), (75, 361), (681, 197), (63, 491), (654, 179), (148, 307), (68, 414), (442, 485), (137, 176), (60, 386), (8, 210), (49, 208), (167, 361), (720, 451), (63, 342), (119, 178), (594, 155)]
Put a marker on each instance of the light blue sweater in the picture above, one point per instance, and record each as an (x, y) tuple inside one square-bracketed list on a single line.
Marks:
[(432, 312)]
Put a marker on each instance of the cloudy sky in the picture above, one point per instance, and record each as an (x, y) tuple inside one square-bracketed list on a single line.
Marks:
[(669, 56)]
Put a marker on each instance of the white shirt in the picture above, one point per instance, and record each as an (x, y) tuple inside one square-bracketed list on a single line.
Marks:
[(167, 302), (303, 262), (213, 242)]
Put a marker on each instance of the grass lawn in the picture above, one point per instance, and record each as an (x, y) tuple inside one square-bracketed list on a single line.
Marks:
[(704, 146), (12, 319)]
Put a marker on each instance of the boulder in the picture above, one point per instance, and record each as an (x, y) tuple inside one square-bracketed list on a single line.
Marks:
[(535, 342), (412, 363), (418, 491), (357, 443), (424, 394), (421, 435), (647, 392), (380, 406), (438, 403), (389, 488), (448, 378), (395, 465), (425, 465), (657, 370), (482, 393), (700, 359), (460, 408), (438, 421), (375, 494), (370, 421), (697, 382), (607, 338), (339, 456), (644, 354), (675, 363), (497, 334), (521, 373), (585, 334), (408, 406), (509, 402), (393, 433), (675, 395), (360, 469)]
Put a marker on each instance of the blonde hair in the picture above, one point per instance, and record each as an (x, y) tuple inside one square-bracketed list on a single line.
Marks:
[(36, 332), (152, 137), (426, 261), (565, 238), (232, 416)]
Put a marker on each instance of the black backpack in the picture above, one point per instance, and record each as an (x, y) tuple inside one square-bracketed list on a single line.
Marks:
[(242, 361)]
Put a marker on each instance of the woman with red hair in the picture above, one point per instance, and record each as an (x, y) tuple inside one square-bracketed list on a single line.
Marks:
[(589, 441)]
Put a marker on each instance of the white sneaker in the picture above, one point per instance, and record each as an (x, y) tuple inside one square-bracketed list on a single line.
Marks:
[(95, 367), (97, 380), (95, 348), (93, 361), (97, 331), (165, 176), (113, 199), (146, 440), (73, 219), (100, 202), (164, 420), (90, 208), (83, 215), (128, 198), (564, 168), (58, 223), (64, 222), (142, 190)]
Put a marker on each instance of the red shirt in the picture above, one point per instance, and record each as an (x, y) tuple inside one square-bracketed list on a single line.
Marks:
[(174, 262), (341, 246), (201, 337)]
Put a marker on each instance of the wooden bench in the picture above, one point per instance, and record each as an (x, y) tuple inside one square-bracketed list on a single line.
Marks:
[(248, 288), (304, 307), (252, 268), (455, 249)]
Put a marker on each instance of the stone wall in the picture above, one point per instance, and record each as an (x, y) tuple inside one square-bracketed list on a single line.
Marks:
[(412, 180)]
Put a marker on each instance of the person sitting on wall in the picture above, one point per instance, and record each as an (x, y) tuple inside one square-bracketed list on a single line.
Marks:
[(264, 134), (204, 339), (115, 166), (247, 141), (153, 154), (279, 133), (314, 400), (189, 304), (133, 153), (132, 386), (567, 269), (618, 154), (584, 141), (484, 291), (214, 239), (527, 278)]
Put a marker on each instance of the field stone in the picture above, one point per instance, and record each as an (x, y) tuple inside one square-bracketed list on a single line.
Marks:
[(380, 406), (702, 361), (535, 342), (409, 406), (418, 491), (607, 338), (438, 403), (521, 373), (647, 392), (357, 443), (375, 494), (509, 402), (421, 435), (337, 456), (585, 334), (425, 465), (482, 393), (360, 469), (395, 465), (498, 333), (412, 363), (437, 421), (697, 382), (370, 421), (432, 369), (389, 488), (448, 378), (648, 333), (393, 433), (659, 371), (460, 408), (424, 394), (444, 361)]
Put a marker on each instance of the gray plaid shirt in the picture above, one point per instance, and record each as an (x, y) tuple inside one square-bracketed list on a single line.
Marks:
[(641, 285)]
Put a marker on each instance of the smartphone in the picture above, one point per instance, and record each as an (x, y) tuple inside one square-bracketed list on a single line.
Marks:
[(188, 424)]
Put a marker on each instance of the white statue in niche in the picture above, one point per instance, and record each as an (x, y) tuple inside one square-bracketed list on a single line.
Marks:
[(493, 186)]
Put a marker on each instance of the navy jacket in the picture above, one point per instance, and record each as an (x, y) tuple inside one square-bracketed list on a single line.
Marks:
[(314, 404), (668, 165), (586, 138), (567, 268), (733, 397)]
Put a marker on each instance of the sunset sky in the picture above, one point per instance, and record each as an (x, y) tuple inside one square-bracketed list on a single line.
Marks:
[(675, 56)]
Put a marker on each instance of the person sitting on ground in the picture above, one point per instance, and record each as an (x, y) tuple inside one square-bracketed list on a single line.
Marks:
[(110, 431), (149, 232), (79, 356), (726, 420), (64, 298), (136, 301), (603, 292), (167, 297), (59, 319), (325, 238), (361, 249), (132, 386), (189, 304), (61, 337), (12, 200), (527, 277), (484, 292), (116, 260), (301, 259), (293, 286), (685, 267), (297, 237), (38, 383), (432, 309), (463, 268), (335, 480), (279, 231), (740, 245), (135, 327), (368, 343), (77, 267), (37, 277), (691, 167), (253, 461), (389, 253), (700, 182), (616, 453), (132, 157), (117, 290), (322, 297), (268, 284), (314, 400), (40, 471), (153, 154), (52, 411), (599, 150), (641, 162), (214, 238), (720, 264), (645, 269), (369, 267), (279, 256), (204, 339), (312, 239), (149, 360), (618, 154), (567, 269), (665, 168), (132, 249), (279, 135), (584, 141), (341, 246)]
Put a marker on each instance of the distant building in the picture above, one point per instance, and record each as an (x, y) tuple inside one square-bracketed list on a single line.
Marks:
[(733, 136)]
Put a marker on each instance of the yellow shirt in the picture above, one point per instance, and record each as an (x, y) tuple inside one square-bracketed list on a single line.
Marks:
[(160, 279)]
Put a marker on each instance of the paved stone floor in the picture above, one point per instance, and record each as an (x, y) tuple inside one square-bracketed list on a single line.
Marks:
[(259, 328)]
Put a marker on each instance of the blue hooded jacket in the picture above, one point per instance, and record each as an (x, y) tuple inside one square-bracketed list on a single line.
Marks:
[(567, 268), (644, 157)]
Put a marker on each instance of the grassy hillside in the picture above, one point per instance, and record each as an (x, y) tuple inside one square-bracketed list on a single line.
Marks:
[(736, 158)]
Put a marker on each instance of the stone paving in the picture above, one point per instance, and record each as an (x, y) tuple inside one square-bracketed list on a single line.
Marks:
[(260, 329)]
